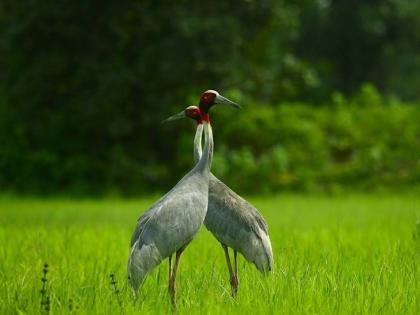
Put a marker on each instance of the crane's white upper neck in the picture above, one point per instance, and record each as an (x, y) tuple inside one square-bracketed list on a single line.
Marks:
[(205, 159)]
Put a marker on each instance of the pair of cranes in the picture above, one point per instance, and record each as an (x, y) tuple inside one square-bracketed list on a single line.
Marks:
[(199, 197)]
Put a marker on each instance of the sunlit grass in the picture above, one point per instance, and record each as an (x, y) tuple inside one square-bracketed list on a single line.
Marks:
[(353, 255)]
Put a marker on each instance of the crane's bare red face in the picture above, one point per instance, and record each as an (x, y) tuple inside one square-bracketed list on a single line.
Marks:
[(193, 112), (208, 97)]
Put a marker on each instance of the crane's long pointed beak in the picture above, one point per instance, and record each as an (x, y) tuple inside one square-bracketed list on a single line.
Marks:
[(223, 100), (174, 117)]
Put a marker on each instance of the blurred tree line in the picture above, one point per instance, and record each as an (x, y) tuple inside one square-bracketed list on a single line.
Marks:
[(84, 84)]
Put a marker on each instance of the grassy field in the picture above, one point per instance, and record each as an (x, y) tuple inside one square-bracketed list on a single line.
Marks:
[(351, 255)]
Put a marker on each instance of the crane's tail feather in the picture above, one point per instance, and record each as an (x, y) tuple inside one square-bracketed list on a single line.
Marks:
[(143, 259), (264, 258)]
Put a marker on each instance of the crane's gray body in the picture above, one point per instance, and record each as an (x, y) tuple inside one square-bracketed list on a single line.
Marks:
[(237, 224), (171, 223), (234, 221)]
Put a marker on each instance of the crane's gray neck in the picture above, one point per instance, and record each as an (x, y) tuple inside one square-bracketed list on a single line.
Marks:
[(204, 164), (198, 151)]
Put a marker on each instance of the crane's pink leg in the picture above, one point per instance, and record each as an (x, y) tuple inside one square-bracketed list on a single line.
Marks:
[(172, 283), (232, 275), (171, 280), (170, 266), (236, 280)]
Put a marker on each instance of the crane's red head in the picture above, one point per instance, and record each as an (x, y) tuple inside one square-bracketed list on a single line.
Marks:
[(192, 112), (212, 97)]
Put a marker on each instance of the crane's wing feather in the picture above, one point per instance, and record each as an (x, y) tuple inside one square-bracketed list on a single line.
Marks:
[(169, 225), (145, 217), (232, 209), (175, 218), (238, 224), (141, 222)]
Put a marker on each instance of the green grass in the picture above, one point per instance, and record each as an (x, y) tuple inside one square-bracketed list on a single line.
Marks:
[(351, 255)]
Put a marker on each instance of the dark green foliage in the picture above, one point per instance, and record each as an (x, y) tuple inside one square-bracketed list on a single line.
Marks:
[(83, 86), (357, 144), (361, 143)]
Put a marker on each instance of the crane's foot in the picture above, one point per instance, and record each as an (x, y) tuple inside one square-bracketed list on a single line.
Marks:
[(234, 283)]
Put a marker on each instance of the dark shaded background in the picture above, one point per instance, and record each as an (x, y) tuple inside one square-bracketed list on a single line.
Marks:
[(330, 92)]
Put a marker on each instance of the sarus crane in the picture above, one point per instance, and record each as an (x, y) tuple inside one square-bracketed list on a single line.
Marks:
[(230, 218), (174, 220)]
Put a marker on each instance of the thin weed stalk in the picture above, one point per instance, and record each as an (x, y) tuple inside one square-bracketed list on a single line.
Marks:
[(116, 290), (45, 299)]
